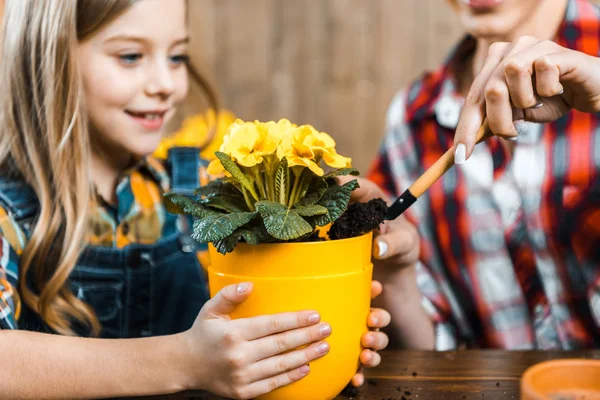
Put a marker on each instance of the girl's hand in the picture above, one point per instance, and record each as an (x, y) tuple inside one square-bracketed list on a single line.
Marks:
[(245, 358), (373, 340), (529, 79)]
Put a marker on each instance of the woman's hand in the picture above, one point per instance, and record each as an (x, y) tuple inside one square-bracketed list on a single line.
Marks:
[(396, 252), (396, 241), (528, 79), (373, 340), (248, 357)]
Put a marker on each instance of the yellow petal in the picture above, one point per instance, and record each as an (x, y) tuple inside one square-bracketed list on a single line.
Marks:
[(335, 160), (215, 168), (305, 162)]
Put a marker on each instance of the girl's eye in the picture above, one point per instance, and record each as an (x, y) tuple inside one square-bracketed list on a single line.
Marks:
[(180, 59), (130, 58)]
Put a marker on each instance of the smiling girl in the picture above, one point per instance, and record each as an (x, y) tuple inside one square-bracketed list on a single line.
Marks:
[(87, 250)]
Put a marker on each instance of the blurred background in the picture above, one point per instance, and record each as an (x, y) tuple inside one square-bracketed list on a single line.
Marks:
[(334, 64)]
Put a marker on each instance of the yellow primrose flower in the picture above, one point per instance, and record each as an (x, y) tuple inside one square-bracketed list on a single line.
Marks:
[(322, 144), (193, 133), (295, 147), (247, 143), (305, 145)]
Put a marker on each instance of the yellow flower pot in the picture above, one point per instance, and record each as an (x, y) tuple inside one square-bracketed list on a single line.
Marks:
[(331, 277)]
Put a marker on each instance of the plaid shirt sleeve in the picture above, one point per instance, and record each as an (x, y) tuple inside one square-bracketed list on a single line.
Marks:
[(394, 169), (9, 272)]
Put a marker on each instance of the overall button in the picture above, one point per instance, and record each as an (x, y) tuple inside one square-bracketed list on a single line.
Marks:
[(187, 244)]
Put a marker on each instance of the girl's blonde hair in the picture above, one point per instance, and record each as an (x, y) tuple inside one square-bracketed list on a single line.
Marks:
[(45, 141)]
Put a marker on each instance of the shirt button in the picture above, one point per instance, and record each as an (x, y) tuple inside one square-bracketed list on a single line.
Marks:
[(125, 228)]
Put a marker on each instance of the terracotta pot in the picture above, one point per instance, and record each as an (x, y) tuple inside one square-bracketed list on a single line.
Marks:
[(562, 379), (331, 277)]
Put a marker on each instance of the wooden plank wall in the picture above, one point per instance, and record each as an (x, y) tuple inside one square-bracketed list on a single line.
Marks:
[(332, 63)]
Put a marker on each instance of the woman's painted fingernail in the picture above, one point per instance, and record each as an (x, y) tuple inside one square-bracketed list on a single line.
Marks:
[(242, 287), (382, 248), (460, 154)]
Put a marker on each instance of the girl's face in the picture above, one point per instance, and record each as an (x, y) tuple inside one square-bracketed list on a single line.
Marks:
[(134, 75), (495, 18)]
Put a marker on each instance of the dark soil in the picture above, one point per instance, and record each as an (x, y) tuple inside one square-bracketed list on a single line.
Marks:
[(359, 218)]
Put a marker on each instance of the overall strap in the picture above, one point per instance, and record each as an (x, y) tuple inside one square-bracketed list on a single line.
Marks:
[(185, 163), (19, 200)]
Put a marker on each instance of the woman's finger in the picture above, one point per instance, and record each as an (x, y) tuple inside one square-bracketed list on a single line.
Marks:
[(400, 242), (499, 109), (378, 318), (472, 114), (369, 358), (547, 77), (358, 379), (376, 289), (375, 340)]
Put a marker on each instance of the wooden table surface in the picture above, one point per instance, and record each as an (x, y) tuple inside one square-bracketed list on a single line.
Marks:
[(424, 375)]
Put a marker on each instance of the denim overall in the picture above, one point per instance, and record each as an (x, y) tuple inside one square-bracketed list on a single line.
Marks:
[(139, 290)]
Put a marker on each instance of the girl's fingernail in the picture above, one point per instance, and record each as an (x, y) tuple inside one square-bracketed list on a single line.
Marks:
[(242, 287), (538, 105), (323, 348), (512, 139), (314, 318), (305, 369), (460, 154), (375, 320), (382, 248), (325, 330)]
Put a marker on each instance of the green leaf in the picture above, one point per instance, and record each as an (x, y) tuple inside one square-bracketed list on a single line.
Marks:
[(281, 222), (282, 181), (316, 189), (180, 204), (228, 203), (256, 234), (237, 174), (336, 200), (252, 235), (310, 211), (233, 183), (305, 184), (342, 172), (216, 188), (227, 244), (216, 227)]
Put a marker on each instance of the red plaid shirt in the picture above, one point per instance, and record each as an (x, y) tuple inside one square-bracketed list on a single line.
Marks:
[(510, 253)]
